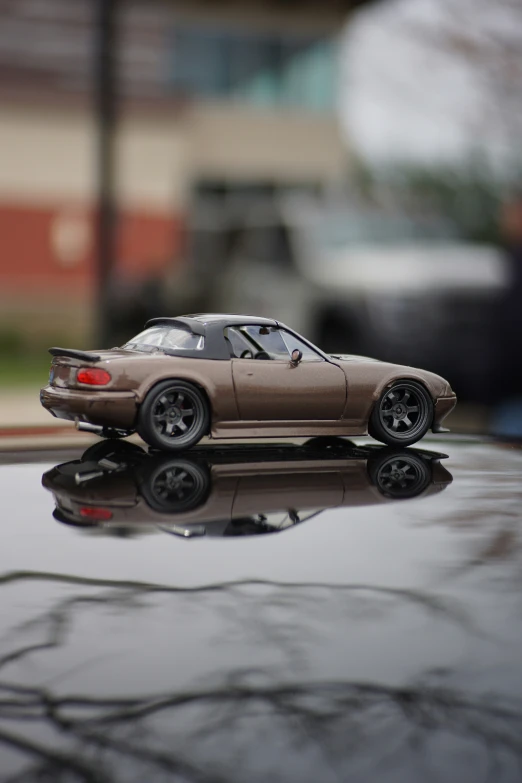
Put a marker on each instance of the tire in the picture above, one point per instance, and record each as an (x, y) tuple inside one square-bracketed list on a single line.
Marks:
[(399, 474), (403, 415), (174, 416), (175, 485)]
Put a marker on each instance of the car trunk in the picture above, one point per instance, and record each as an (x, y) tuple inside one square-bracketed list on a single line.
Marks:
[(64, 368)]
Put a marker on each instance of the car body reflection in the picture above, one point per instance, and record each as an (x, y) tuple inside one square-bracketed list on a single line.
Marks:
[(234, 491)]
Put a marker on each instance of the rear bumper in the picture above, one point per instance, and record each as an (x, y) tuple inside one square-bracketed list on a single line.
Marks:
[(443, 407), (109, 409)]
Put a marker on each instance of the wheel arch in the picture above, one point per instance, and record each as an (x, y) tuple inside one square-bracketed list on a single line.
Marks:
[(365, 389), (178, 377), (212, 378), (389, 382)]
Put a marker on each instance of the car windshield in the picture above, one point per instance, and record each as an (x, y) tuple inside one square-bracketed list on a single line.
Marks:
[(167, 337)]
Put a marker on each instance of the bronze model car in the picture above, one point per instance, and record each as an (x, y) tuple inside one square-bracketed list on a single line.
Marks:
[(233, 491), (231, 376)]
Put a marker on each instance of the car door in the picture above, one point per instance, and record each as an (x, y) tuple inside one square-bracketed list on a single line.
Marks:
[(270, 388), (288, 487)]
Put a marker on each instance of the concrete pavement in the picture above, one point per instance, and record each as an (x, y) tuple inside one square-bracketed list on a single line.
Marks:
[(24, 424), (21, 408)]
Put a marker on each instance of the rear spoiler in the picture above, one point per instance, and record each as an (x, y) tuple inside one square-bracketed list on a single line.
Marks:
[(73, 354)]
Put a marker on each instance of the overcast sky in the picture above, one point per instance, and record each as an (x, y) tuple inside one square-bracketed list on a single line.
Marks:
[(405, 97)]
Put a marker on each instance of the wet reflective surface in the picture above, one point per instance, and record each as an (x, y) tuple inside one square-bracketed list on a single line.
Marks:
[(370, 639), (233, 491)]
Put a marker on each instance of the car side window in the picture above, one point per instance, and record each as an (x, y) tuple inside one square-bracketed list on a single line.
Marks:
[(238, 343), (293, 343), (267, 340), (256, 342)]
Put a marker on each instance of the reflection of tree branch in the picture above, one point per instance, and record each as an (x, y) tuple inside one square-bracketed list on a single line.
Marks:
[(58, 620), (169, 762), (283, 595), (435, 605), (162, 733), (61, 761), (316, 711)]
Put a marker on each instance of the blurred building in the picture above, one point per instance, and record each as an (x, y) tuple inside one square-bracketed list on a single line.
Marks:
[(218, 101)]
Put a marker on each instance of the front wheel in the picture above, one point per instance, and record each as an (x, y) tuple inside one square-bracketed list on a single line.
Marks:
[(175, 485), (174, 416), (403, 415), (399, 474)]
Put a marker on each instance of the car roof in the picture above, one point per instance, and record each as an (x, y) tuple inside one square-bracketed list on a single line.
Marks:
[(211, 325), (233, 319)]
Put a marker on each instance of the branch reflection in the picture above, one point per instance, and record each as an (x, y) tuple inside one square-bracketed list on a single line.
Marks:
[(245, 722)]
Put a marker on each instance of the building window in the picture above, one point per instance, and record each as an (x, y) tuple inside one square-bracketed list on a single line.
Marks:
[(257, 68)]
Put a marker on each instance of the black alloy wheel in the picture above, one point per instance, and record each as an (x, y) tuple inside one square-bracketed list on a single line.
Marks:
[(403, 415), (174, 416), (175, 485), (399, 474)]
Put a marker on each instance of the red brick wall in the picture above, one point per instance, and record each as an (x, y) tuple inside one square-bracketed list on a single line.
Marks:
[(33, 260)]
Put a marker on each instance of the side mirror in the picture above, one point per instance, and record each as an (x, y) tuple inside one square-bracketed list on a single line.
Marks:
[(296, 357)]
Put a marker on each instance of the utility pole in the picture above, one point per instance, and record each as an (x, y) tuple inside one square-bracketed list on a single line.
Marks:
[(105, 109)]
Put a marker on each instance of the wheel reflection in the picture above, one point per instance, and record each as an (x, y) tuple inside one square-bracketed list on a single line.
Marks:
[(230, 491)]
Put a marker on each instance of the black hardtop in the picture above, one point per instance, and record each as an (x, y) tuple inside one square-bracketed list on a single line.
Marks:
[(223, 319), (210, 326)]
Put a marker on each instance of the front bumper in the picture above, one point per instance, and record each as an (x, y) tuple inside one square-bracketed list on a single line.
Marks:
[(108, 409), (443, 407)]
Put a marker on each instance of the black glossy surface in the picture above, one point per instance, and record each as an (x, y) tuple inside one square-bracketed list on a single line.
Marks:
[(376, 643)]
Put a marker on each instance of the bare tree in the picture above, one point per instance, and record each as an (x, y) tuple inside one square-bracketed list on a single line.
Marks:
[(486, 39)]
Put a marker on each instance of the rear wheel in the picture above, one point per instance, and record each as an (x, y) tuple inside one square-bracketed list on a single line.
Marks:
[(403, 415), (174, 416), (175, 485)]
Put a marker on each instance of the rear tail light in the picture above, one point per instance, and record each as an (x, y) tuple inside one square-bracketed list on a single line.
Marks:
[(96, 514), (93, 376)]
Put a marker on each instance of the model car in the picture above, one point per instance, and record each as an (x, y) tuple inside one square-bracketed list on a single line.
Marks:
[(234, 376), (233, 491)]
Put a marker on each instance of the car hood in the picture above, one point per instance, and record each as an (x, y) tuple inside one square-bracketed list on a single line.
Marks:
[(351, 357)]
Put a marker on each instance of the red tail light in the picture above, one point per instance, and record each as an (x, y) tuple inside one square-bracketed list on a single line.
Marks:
[(96, 514), (93, 376)]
